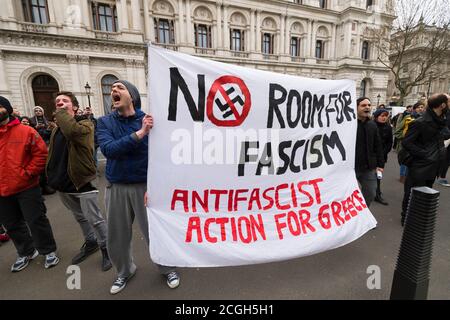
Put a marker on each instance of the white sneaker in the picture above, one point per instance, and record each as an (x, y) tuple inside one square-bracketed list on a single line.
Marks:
[(443, 182), (22, 262), (120, 284), (173, 280), (51, 260)]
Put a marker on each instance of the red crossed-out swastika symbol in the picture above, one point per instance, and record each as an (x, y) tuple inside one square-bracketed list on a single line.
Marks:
[(218, 86)]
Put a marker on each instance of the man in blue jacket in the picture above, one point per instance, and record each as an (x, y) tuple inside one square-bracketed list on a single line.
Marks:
[(123, 139)]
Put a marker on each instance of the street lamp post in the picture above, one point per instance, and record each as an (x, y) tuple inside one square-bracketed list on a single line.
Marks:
[(378, 100), (87, 87)]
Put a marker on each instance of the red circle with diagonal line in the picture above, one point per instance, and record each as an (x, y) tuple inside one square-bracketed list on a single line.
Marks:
[(217, 86)]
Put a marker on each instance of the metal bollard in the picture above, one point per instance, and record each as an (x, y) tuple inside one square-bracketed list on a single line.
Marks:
[(412, 272)]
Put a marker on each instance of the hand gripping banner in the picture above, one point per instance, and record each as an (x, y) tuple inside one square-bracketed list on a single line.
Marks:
[(248, 166)]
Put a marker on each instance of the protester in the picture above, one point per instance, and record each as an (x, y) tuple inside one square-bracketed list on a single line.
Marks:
[(71, 171), (395, 120), (410, 114), (41, 124), (369, 152), (385, 132), (16, 113), (23, 212), (25, 121), (123, 139), (424, 142)]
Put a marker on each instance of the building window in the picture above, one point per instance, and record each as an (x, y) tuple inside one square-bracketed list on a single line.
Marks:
[(267, 43), (295, 47), (107, 82), (362, 92), (323, 4), (104, 17), (298, 1), (35, 11), (320, 47), (365, 50), (202, 36), (237, 40), (164, 31), (369, 3)]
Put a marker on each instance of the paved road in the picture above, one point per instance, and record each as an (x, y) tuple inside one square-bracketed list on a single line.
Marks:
[(336, 274)]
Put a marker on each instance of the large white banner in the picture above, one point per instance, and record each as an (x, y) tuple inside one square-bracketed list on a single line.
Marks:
[(248, 166)]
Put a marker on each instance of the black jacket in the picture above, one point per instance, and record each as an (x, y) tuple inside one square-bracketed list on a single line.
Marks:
[(369, 146), (386, 136), (425, 143)]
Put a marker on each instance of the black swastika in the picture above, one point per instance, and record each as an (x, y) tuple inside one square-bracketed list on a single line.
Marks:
[(224, 107)]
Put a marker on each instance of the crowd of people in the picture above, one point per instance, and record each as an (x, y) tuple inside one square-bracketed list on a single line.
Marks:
[(420, 136), (41, 156)]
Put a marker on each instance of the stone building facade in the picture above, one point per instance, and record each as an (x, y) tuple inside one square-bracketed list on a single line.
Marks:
[(437, 79), (84, 45)]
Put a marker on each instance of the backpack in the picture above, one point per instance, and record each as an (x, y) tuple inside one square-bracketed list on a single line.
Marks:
[(408, 120)]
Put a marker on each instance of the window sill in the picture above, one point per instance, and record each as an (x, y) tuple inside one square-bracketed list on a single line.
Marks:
[(270, 56), (297, 59), (322, 61), (108, 35), (207, 51), (168, 46), (239, 54)]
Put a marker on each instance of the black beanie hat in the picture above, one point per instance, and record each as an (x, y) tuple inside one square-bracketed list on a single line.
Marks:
[(6, 104), (134, 92)]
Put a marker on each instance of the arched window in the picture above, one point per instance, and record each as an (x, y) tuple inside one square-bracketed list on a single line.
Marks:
[(107, 82), (44, 87), (365, 51), (363, 87)]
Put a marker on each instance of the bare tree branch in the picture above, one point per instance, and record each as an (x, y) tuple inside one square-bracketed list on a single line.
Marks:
[(420, 42)]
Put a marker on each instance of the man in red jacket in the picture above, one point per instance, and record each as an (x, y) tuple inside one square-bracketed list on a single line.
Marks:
[(22, 157)]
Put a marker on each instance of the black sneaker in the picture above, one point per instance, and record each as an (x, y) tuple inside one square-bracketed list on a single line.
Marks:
[(120, 284), (22, 262), (380, 199), (88, 248)]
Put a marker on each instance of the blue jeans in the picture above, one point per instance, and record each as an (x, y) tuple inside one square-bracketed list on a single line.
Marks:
[(403, 170)]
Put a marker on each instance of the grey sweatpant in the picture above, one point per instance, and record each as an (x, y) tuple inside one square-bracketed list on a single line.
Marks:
[(368, 182), (124, 202), (86, 211)]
